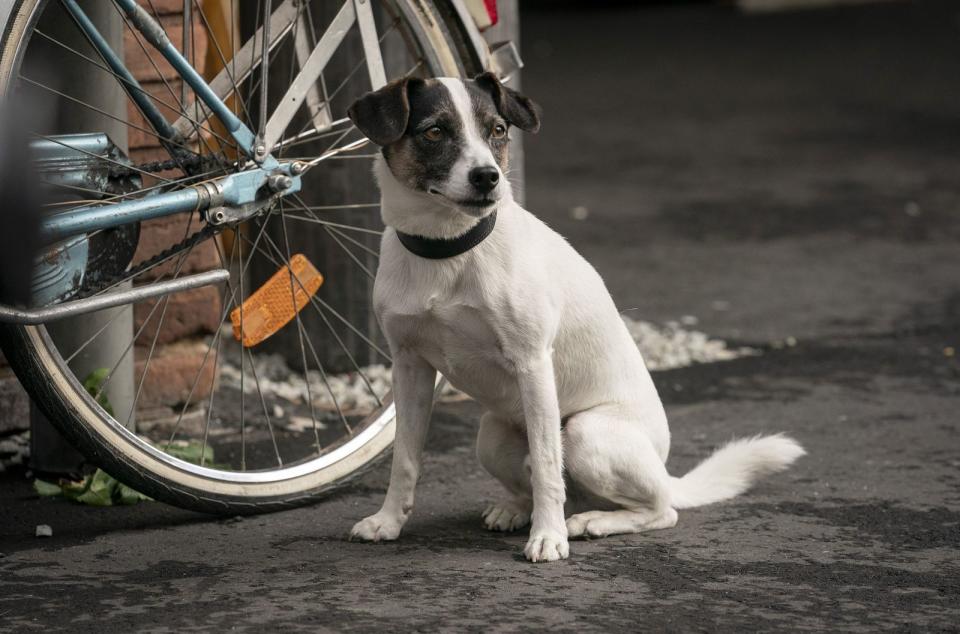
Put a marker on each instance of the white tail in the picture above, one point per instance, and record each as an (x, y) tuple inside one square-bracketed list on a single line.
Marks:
[(733, 469)]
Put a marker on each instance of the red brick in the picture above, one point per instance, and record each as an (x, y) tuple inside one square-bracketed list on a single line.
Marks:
[(140, 65), (172, 371), (163, 7), (187, 314)]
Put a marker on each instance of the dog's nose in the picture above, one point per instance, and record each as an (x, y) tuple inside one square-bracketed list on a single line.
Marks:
[(485, 178)]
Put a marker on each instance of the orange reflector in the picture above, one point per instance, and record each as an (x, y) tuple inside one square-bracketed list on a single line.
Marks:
[(271, 307)]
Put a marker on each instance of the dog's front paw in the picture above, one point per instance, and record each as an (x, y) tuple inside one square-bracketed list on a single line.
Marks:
[(506, 516), (546, 546), (379, 527)]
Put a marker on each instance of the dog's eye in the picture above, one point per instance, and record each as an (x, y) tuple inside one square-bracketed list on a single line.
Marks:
[(499, 131), (433, 134)]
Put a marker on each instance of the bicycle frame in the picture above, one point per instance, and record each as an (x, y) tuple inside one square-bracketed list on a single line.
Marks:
[(230, 198), (235, 190)]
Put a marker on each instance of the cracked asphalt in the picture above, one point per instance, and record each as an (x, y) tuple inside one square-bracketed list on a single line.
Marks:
[(788, 179)]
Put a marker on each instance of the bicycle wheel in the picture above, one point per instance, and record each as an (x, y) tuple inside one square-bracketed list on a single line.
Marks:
[(210, 422)]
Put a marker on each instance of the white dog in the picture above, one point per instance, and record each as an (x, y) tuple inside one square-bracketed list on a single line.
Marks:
[(475, 287)]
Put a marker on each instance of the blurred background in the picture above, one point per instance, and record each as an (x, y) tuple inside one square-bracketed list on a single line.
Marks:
[(777, 173)]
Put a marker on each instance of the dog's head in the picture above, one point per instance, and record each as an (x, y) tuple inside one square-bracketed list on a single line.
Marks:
[(447, 138)]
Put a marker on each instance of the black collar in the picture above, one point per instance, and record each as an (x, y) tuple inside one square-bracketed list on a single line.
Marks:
[(442, 248)]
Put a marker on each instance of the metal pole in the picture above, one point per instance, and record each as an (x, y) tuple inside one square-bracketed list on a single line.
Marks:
[(507, 29), (50, 453)]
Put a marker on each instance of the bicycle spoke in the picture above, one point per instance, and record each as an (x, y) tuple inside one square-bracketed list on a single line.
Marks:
[(256, 379), (206, 422), (353, 241), (244, 62), (319, 305), (353, 145), (309, 74), (326, 383), (100, 111), (336, 337), (228, 288), (314, 299), (102, 158), (336, 224), (339, 157), (138, 38), (85, 190), (308, 136), (296, 312), (362, 62), (165, 302), (316, 358), (331, 358), (234, 87), (349, 253), (99, 331), (122, 80)]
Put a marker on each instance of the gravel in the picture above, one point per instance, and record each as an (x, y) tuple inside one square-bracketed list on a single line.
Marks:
[(672, 345), (14, 450)]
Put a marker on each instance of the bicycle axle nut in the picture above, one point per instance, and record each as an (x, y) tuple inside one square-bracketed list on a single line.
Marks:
[(279, 182)]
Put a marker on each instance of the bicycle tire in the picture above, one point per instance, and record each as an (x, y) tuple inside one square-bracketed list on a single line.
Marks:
[(62, 398)]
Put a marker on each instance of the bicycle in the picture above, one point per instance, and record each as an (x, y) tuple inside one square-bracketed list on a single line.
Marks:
[(247, 163)]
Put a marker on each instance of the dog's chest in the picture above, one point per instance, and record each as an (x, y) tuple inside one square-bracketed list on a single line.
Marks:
[(459, 332), (456, 334)]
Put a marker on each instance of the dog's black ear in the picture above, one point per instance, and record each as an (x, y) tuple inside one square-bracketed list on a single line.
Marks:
[(382, 115), (518, 110)]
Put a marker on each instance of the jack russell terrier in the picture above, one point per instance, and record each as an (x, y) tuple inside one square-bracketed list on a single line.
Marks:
[(475, 287)]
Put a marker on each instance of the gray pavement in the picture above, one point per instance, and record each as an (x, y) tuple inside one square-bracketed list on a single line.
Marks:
[(785, 176)]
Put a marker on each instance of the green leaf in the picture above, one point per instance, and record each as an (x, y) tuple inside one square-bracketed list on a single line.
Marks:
[(92, 384), (47, 489), (191, 450), (100, 491), (73, 490), (126, 496)]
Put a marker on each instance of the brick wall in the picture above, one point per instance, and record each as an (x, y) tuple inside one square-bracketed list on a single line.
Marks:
[(189, 317)]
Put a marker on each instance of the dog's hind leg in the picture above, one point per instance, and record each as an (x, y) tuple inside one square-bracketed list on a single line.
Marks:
[(503, 451), (614, 459)]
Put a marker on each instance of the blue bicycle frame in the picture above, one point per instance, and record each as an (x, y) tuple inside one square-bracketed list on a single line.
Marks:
[(246, 188)]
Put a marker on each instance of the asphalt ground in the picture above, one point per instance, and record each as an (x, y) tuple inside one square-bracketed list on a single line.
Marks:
[(790, 180)]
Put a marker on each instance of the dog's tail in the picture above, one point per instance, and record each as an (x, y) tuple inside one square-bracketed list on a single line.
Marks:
[(733, 469)]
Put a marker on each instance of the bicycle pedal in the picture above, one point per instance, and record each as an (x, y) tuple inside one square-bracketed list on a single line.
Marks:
[(273, 305)]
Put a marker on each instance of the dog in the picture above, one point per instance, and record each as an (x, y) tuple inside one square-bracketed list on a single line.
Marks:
[(475, 287)]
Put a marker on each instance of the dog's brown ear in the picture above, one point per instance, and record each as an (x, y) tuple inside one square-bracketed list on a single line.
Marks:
[(382, 115), (518, 110)]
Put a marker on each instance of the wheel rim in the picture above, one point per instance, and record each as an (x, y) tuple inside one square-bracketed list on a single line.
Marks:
[(350, 239)]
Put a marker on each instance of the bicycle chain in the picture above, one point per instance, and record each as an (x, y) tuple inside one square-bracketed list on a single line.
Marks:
[(88, 289), (184, 163)]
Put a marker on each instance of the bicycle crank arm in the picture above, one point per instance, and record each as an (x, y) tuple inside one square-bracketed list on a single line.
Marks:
[(32, 317)]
